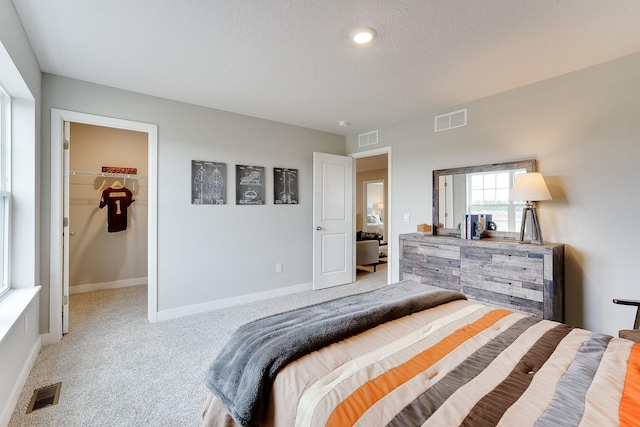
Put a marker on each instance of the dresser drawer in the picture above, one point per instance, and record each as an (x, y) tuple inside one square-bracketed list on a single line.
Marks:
[(517, 266), (441, 272), (420, 250), (432, 264), (507, 293), (511, 278)]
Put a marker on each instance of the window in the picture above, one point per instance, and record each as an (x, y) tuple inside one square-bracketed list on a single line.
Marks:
[(489, 193), (5, 195)]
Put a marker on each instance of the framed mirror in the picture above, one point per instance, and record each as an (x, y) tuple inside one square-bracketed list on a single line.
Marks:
[(374, 219), (482, 189)]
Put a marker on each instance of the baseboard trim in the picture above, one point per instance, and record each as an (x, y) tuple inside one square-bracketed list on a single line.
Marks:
[(230, 302), (45, 339), (79, 289), (10, 405)]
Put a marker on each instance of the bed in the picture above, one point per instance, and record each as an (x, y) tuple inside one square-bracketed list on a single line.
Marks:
[(409, 355), (374, 225)]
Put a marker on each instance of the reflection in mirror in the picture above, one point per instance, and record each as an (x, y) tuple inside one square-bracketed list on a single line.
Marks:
[(480, 189), (480, 193), (374, 207)]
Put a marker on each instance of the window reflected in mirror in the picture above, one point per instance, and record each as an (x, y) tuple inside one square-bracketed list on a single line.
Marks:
[(480, 193), (482, 189)]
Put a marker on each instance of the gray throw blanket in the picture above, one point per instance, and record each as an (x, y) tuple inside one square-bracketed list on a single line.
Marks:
[(242, 374)]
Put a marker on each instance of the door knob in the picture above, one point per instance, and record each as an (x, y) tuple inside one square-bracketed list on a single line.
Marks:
[(71, 234), (318, 228)]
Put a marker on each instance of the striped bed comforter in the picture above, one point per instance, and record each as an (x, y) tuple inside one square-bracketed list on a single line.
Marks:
[(460, 363)]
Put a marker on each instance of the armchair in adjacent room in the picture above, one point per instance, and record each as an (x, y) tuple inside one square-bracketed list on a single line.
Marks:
[(368, 253), (631, 334)]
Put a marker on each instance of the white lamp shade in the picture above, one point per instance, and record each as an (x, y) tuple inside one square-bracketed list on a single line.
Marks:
[(529, 187)]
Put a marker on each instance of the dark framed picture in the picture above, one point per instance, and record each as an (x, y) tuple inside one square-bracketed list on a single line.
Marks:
[(250, 185), (285, 186), (208, 183)]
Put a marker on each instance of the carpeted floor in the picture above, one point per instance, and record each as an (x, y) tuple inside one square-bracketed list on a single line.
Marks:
[(117, 369)]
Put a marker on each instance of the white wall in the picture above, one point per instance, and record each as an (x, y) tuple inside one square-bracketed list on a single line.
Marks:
[(208, 253), (583, 129)]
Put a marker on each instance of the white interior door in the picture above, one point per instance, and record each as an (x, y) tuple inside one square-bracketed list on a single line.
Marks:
[(65, 230), (333, 220)]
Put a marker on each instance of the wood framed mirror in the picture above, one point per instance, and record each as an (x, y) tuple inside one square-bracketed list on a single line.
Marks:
[(482, 189)]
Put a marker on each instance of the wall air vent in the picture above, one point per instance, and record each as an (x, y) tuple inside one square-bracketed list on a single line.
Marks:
[(368, 138), (452, 120)]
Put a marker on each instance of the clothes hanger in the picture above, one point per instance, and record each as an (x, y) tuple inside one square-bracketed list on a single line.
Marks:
[(117, 185)]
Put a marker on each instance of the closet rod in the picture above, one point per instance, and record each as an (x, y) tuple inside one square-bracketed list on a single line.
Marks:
[(106, 174)]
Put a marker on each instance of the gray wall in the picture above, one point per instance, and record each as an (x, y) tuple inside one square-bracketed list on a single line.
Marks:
[(207, 253), (583, 129)]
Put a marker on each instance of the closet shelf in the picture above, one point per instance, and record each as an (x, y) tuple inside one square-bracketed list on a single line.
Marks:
[(106, 174), (103, 179)]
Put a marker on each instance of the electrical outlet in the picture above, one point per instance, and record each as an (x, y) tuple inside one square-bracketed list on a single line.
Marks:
[(279, 267)]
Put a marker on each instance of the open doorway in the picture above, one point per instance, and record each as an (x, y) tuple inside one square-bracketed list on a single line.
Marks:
[(107, 228), (59, 248), (373, 211)]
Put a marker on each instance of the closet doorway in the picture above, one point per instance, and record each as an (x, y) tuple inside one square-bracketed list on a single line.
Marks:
[(61, 203), (373, 214), (107, 246)]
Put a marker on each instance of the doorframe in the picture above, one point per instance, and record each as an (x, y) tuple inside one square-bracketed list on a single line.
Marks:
[(389, 209), (56, 259)]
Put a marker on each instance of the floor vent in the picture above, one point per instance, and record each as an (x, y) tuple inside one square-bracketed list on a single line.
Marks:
[(43, 397), (368, 138), (452, 120)]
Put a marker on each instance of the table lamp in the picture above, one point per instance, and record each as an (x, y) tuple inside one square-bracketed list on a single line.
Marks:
[(530, 188)]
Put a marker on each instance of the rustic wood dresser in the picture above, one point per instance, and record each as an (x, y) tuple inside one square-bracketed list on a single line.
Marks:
[(522, 277)]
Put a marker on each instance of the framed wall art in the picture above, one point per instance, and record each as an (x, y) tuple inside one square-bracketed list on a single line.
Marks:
[(208, 183), (285, 186), (250, 185)]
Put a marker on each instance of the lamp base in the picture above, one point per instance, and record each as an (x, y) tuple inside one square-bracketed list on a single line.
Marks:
[(536, 233)]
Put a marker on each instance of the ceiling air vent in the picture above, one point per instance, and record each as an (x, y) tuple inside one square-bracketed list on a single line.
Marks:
[(368, 138), (452, 120)]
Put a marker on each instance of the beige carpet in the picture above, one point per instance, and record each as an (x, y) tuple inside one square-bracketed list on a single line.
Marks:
[(117, 369)]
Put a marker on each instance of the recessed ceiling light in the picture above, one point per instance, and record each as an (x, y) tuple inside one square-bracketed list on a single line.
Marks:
[(344, 123), (363, 35)]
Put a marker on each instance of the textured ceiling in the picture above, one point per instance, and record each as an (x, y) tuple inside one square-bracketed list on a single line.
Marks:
[(291, 60)]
